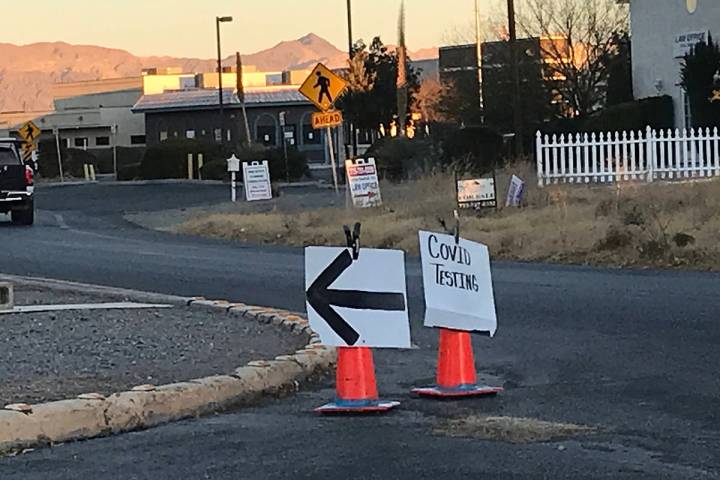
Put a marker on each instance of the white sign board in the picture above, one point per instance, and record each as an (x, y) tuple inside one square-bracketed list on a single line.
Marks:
[(685, 42), (256, 177), (457, 283), (516, 189), (477, 193), (360, 303), (233, 164), (363, 181)]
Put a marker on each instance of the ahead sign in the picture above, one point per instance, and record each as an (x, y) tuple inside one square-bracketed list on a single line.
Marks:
[(458, 284), (357, 303), (326, 119)]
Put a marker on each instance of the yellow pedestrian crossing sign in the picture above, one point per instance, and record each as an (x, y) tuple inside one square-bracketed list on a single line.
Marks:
[(29, 132), (323, 87)]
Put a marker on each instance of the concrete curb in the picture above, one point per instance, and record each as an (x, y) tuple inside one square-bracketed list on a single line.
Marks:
[(92, 416)]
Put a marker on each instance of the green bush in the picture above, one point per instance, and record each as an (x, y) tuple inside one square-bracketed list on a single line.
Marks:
[(398, 158), (698, 79), (129, 172), (655, 112), (169, 159), (478, 149), (73, 160), (297, 162)]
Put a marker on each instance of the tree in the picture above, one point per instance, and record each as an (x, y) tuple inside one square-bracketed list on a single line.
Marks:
[(619, 83), (579, 38), (373, 91), (700, 77)]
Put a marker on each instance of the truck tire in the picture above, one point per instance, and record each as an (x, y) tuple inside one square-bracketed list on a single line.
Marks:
[(23, 217)]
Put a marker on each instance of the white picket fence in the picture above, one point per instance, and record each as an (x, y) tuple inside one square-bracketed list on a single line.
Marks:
[(640, 156)]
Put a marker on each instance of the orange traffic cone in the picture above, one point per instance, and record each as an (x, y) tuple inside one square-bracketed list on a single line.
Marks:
[(456, 375), (355, 387)]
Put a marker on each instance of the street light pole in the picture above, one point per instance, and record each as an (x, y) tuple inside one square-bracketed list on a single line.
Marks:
[(517, 115), (218, 21)]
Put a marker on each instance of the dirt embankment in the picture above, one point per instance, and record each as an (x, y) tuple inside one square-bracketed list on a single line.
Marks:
[(644, 225)]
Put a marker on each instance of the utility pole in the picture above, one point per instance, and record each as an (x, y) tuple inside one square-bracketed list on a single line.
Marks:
[(351, 54), (241, 95), (218, 21), (479, 52), (517, 114)]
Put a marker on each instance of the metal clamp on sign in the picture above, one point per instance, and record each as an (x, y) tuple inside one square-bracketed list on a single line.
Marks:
[(353, 239), (456, 230)]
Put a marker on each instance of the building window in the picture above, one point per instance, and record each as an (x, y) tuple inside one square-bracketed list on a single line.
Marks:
[(163, 136), (81, 142), (102, 141), (190, 134), (267, 135), (137, 139), (311, 136), (218, 135), (67, 142)]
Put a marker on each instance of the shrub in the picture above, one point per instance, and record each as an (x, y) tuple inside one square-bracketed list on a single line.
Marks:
[(297, 162), (169, 159), (398, 158), (73, 161), (656, 112), (129, 172), (479, 148)]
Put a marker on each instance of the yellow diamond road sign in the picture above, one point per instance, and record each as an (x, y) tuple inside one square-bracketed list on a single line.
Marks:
[(323, 87), (29, 132)]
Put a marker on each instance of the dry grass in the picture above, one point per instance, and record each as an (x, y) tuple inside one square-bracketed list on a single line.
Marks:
[(658, 225), (509, 429)]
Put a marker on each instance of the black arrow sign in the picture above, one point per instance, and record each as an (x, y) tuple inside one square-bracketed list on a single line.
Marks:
[(322, 299)]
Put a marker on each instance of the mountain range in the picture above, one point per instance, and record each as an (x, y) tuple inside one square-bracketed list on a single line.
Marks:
[(28, 72)]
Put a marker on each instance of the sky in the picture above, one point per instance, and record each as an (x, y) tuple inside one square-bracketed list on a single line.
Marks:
[(187, 28)]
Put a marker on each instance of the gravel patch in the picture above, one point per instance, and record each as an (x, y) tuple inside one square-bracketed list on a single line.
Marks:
[(52, 356), (510, 429)]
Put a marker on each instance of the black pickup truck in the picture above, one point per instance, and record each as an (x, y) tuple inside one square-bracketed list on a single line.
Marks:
[(16, 184)]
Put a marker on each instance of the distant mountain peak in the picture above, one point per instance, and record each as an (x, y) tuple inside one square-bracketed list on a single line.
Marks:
[(29, 71), (311, 38)]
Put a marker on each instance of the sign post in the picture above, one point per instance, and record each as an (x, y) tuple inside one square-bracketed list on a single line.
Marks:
[(56, 131), (233, 167), (323, 88), (459, 299)]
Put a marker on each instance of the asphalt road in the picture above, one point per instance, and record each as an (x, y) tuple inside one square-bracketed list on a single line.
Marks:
[(632, 354)]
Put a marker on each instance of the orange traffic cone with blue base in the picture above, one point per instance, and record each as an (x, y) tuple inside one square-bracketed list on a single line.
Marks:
[(355, 386), (456, 375)]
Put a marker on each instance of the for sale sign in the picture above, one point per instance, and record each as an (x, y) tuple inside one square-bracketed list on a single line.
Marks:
[(477, 193), (363, 182)]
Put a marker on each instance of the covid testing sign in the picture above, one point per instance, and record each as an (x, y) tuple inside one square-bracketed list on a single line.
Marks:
[(457, 283)]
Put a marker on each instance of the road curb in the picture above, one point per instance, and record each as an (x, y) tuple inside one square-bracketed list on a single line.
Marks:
[(148, 406)]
